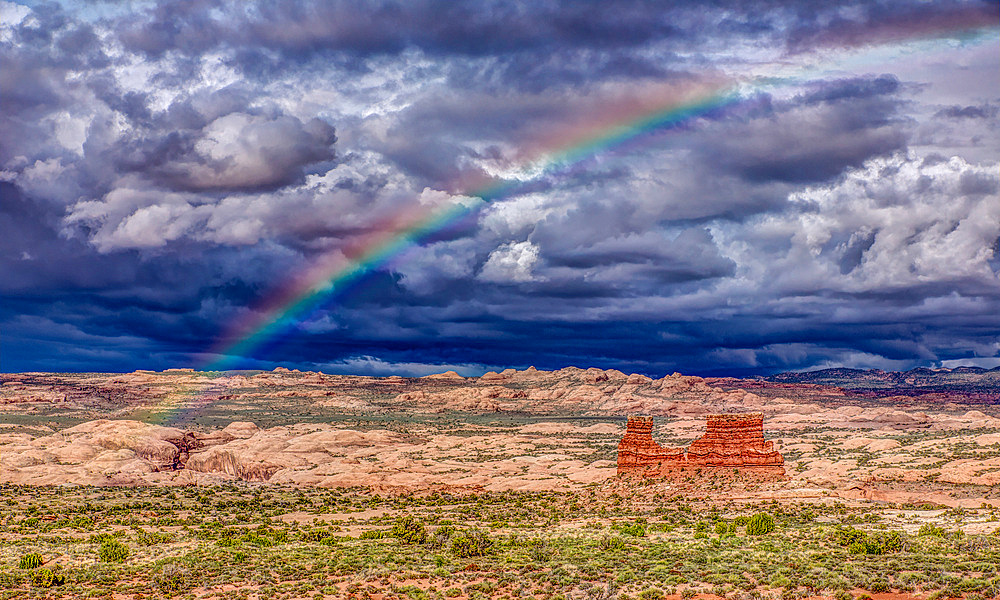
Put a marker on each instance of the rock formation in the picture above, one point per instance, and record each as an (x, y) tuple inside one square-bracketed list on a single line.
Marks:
[(730, 441)]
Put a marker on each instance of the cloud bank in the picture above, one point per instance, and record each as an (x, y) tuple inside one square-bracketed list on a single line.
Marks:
[(164, 173)]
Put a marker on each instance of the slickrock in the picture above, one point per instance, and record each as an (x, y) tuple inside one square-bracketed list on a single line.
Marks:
[(446, 375), (98, 452), (893, 447), (730, 440)]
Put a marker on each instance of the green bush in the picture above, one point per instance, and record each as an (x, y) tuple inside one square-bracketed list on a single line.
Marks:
[(842, 595), (471, 543), (173, 578), (931, 530), (878, 586), (651, 594), (721, 528), (441, 536), (372, 534), (882, 542), (313, 535), (409, 531), (612, 543), (857, 548), (112, 551), (637, 529), (540, 551), (30, 561), (44, 577), (255, 539), (760, 524)]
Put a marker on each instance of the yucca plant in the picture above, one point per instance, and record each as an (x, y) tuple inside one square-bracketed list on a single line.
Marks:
[(30, 561)]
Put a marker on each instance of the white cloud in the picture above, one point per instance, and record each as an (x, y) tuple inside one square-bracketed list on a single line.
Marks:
[(511, 263), (895, 223), (372, 366), (985, 363)]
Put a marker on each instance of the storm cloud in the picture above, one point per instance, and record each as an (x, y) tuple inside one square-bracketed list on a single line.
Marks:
[(715, 188)]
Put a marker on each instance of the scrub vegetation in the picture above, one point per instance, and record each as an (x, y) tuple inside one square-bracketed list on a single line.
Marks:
[(265, 541)]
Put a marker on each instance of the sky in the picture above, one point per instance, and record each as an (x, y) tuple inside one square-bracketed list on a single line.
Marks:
[(376, 188)]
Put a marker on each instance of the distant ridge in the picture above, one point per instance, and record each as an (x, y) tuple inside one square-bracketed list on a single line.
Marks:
[(958, 379)]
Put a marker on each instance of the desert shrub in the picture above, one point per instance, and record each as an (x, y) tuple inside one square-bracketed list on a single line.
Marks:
[(608, 543), (452, 592), (313, 535), (32, 560), (741, 520), (149, 538), (44, 577), (891, 541), (688, 593), (927, 529), (625, 576), (441, 536), (722, 528), (637, 529), (471, 543), (883, 542), (255, 539), (857, 548), (372, 534), (540, 550), (409, 531), (651, 594), (760, 524), (842, 595), (878, 586), (112, 551), (848, 535), (173, 578), (100, 538)]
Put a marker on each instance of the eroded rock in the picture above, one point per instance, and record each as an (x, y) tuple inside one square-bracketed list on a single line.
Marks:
[(730, 441)]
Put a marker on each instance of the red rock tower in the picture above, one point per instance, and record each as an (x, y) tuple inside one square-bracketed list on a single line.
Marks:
[(730, 440), (734, 440), (638, 450)]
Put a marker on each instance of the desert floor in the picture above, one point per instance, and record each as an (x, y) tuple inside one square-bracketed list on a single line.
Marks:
[(293, 485)]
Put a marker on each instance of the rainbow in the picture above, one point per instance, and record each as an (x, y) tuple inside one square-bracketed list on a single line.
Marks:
[(622, 122), (334, 275)]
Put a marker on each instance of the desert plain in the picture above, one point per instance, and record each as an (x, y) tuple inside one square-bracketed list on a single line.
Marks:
[(288, 484)]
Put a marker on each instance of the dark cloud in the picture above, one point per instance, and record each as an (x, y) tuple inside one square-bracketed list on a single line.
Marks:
[(163, 173), (815, 136), (236, 151), (982, 111), (872, 22)]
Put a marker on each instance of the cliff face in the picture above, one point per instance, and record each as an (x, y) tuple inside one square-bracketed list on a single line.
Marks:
[(730, 440), (637, 450)]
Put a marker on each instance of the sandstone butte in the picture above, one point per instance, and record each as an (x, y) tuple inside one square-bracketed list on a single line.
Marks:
[(730, 441)]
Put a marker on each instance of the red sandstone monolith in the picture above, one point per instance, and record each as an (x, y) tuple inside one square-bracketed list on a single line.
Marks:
[(730, 441)]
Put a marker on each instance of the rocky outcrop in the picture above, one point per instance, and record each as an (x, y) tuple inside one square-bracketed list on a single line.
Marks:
[(96, 453), (730, 441), (734, 440), (637, 450)]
